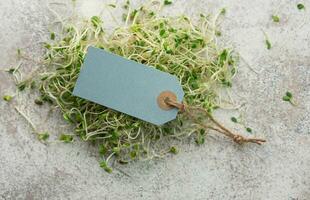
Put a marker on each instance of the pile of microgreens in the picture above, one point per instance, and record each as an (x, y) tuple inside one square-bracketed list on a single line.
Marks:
[(174, 45)]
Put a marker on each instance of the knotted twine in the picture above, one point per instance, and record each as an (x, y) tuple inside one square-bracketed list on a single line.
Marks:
[(220, 128)]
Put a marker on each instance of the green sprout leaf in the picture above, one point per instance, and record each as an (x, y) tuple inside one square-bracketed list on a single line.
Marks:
[(7, 98), (223, 11), (300, 6), (38, 102), (133, 14), (43, 136), (104, 165), (218, 33), (133, 155), (67, 117), (112, 5), (249, 130), (21, 86), (123, 162), (52, 36), (226, 83), (173, 150), (286, 98), (162, 33), (116, 150), (102, 150), (96, 21), (11, 70), (47, 46), (33, 85), (289, 94), (223, 57), (126, 6), (115, 135), (19, 52), (152, 14), (200, 139), (268, 44), (275, 18), (289, 98), (234, 119), (167, 2), (66, 138)]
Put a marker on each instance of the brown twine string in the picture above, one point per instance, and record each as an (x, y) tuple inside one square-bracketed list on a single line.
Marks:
[(221, 129)]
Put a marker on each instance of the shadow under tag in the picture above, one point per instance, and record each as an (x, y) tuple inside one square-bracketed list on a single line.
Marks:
[(126, 86)]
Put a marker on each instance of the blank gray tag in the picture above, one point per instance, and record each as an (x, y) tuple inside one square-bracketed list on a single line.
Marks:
[(126, 86)]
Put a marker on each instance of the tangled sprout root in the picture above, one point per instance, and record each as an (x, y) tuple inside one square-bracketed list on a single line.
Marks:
[(175, 45)]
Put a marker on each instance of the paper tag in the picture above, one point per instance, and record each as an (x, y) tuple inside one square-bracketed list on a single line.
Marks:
[(126, 86)]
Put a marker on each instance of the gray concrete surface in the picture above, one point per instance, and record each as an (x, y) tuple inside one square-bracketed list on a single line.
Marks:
[(279, 170)]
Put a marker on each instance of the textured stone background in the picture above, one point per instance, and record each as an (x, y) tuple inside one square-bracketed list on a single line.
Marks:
[(279, 170)]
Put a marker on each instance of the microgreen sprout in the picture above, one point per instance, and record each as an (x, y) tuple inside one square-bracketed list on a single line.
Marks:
[(66, 138), (248, 129), (133, 155), (38, 101), (112, 5), (300, 6), (267, 41), (7, 98), (11, 70), (268, 44), (102, 150), (234, 119), (116, 150), (43, 136), (200, 139), (288, 97), (275, 18), (223, 11), (52, 36), (19, 52), (218, 33), (167, 2), (21, 86), (95, 20), (104, 165), (289, 94), (126, 6), (33, 85), (173, 150)]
